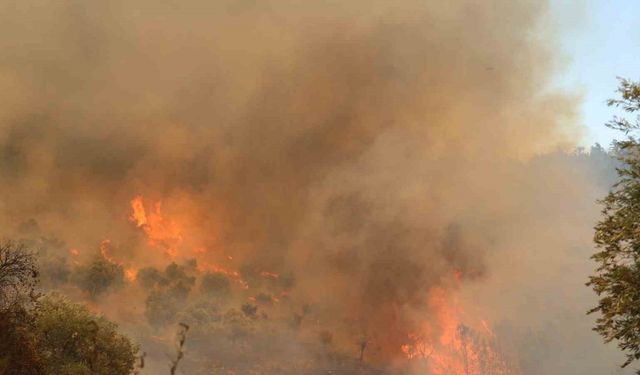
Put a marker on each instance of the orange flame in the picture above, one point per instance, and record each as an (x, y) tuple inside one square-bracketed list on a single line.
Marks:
[(269, 275), (105, 245), (138, 215), (448, 347), (168, 235), (161, 233), (131, 274), (233, 275)]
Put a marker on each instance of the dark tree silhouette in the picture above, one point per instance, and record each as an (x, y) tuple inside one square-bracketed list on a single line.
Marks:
[(18, 274)]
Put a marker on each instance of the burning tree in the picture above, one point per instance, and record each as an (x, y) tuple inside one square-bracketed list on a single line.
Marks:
[(465, 352), (444, 345)]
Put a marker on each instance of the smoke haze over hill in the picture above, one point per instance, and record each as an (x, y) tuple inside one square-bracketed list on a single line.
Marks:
[(338, 165)]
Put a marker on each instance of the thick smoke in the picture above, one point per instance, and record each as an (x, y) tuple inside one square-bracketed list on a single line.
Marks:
[(370, 151)]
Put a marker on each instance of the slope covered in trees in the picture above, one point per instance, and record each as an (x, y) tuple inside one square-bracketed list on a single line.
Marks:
[(47, 334)]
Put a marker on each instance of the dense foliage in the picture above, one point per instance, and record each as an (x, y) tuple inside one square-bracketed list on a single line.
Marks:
[(99, 276), (42, 335), (74, 341), (168, 291), (617, 236)]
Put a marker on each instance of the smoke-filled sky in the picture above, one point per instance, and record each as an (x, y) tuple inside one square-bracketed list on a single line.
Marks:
[(379, 153), (600, 40)]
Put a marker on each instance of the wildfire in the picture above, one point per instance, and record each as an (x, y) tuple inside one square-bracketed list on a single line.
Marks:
[(168, 235), (105, 251), (74, 253), (138, 215), (211, 267), (131, 274), (231, 274), (269, 275), (161, 232), (446, 346)]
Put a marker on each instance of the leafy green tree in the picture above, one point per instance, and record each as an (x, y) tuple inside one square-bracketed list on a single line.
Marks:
[(50, 335), (100, 276), (74, 341), (617, 237)]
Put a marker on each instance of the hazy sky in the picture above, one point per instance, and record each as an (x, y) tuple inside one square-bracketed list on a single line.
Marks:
[(601, 39)]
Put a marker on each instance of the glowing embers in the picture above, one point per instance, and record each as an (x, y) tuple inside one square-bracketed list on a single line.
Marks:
[(269, 275), (446, 346), (231, 274), (130, 273), (105, 252), (161, 232)]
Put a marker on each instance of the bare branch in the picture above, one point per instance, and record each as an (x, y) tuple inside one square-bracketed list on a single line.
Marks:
[(18, 274), (181, 338)]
